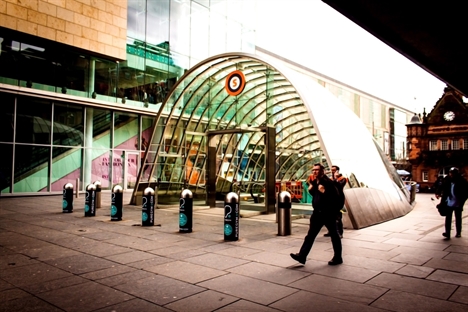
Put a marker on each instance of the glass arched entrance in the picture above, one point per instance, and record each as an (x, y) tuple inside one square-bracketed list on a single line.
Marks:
[(237, 91)]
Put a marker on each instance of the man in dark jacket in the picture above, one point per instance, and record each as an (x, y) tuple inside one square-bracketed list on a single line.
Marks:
[(340, 183), (454, 192), (325, 201)]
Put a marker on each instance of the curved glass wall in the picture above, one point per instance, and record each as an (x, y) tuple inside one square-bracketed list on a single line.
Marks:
[(312, 126)]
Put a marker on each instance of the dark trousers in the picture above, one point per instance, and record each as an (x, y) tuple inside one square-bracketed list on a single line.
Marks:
[(458, 221), (317, 221), (339, 224)]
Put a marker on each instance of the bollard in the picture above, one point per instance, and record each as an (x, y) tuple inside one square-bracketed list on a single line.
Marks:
[(186, 211), (231, 217), (147, 216), (90, 201), (284, 213), (98, 193), (67, 202), (77, 193), (116, 203)]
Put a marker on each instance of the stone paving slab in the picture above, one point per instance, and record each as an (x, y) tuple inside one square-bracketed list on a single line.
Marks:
[(340, 289), (403, 301), (50, 261)]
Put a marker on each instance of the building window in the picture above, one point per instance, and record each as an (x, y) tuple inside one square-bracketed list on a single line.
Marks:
[(465, 143), (444, 145), (425, 176), (432, 145), (455, 144)]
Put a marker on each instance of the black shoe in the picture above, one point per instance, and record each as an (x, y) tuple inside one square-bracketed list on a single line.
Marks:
[(327, 235), (458, 235), (298, 258), (447, 238), (335, 261), (445, 235)]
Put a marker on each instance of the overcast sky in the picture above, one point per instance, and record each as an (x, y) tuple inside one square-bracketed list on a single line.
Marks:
[(313, 34)]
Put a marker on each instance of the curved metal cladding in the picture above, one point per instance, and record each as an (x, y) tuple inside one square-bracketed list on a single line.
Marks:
[(312, 126)]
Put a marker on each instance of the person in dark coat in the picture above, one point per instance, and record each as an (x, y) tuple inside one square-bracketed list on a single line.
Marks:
[(453, 193), (326, 204), (340, 183)]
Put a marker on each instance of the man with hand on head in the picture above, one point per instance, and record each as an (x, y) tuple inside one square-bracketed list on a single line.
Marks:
[(325, 201)]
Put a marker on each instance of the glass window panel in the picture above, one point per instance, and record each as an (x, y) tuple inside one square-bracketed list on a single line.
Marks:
[(9, 61), (105, 80), (31, 168), (68, 125), (180, 27), (6, 117), (218, 24), (101, 167), (158, 22), (72, 74), (218, 6), (33, 120), (425, 176), (248, 40), (205, 3), (234, 36), (5, 167), (66, 167), (444, 145), (136, 19), (465, 143), (126, 131), (100, 122), (455, 144), (199, 45)]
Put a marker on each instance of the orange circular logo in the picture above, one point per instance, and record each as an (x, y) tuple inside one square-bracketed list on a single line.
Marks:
[(235, 83)]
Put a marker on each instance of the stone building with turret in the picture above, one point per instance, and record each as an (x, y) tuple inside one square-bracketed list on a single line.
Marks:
[(439, 140)]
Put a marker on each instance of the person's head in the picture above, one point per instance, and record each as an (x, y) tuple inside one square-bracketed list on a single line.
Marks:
[(335, 170), (453, 172), (318, 170)]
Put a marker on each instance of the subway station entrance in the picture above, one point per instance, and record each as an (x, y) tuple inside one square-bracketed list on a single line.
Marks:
[(238, 121)]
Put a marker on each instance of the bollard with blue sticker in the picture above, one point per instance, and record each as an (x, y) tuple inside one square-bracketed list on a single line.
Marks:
[(90, 201), (147, 216), (67, 201), (186, 211), (231, 217), (116, 203)]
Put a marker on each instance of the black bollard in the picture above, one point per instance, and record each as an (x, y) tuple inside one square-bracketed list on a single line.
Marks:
[(231, 217), (90, 201), (186, 211), (284, 213), (98, 193), (116, 203), (67, 202), (147, 216)]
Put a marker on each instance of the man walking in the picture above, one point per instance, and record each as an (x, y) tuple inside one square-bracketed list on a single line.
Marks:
[(340, 182), (454, 192), (325, 201)]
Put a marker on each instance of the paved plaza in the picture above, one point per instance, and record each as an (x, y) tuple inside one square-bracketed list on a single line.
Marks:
[(52, 261)]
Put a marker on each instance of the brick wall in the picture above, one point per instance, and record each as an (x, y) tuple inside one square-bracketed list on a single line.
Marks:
[(95, 25)]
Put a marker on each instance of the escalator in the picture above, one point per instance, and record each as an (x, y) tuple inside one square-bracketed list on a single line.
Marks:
[(30, 159)]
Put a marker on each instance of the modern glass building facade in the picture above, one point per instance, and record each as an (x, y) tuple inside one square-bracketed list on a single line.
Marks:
[(126, 93), (81, 84)]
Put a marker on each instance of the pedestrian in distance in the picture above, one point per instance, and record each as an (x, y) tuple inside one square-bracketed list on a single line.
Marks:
[(326, 204), (453, 193), (340, 183)]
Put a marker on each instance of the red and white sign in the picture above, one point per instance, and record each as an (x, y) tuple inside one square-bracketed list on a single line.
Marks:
[(235, 83)]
